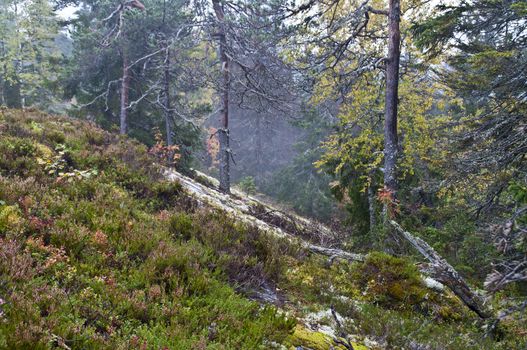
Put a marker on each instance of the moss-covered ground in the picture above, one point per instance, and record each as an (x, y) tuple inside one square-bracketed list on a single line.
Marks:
[(99, 251)]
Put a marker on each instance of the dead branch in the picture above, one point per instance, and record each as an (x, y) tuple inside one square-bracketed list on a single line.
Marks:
[(446, 274)]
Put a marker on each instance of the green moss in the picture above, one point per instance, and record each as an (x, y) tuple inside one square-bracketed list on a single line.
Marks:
[(312, 340), (315, 340), (447, 312), (10, 218), (390, 281)]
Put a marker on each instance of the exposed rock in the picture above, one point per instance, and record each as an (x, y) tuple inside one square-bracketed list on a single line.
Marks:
[(267, 294), (433, 284)]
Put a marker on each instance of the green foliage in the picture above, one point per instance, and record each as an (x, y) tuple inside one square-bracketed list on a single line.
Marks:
[(353, 154), (30, 59), (403, 330), (94, 72), (460, 243), (247, 185), (166, 194), (485, 73), (351, 193), (139, 264), (518, 192), (9, 218), (181, 225), (389, 281), (105, 244), (59, 165), (16, 156), (247, 256)]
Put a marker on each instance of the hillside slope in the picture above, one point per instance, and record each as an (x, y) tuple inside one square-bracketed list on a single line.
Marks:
[(99, 250)]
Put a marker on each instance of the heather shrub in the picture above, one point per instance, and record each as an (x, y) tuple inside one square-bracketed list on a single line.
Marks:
[(389, 281)]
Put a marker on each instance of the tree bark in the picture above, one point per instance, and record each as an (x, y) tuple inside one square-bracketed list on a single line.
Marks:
[(371, 206), (2, 88), (333, 253), (258, 153), (442, 271), (125, 89), (391, 97), (167, 101), (223, 131)]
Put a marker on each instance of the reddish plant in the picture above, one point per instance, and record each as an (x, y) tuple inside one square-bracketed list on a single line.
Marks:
[(387, 198), (164, 153)]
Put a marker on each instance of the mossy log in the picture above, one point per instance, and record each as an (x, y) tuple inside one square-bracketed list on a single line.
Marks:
[(442, 271), (267, 218)]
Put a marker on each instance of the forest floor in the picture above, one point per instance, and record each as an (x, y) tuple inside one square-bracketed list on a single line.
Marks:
[(103, 248)]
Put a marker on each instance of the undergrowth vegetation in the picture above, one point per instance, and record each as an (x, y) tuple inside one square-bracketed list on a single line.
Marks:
[(106, 261), (98, 251)]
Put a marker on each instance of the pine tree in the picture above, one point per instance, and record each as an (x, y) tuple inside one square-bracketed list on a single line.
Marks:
[(30, 60)]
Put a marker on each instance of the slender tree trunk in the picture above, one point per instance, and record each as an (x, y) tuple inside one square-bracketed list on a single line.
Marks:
[(125, 89), (259, 170), (223, 132), (391, 98), (371, 206), (2, 88), (13, 95), (167, 101), (168, 105)]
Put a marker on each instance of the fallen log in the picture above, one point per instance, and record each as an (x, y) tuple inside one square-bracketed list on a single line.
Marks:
[(255, 211), (334, 253), (442, 271), (311, 235)]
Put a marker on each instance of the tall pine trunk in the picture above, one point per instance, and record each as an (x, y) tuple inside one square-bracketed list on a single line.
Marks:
[(223, 132), (167, 101), (391, 98), (125, 89), (259, 151)]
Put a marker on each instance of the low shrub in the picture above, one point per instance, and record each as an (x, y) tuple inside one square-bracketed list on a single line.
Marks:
[(92, 263), (389, 281), (181, 226)]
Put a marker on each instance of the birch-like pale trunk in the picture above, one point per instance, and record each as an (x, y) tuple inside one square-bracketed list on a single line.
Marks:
[(125, 90)]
